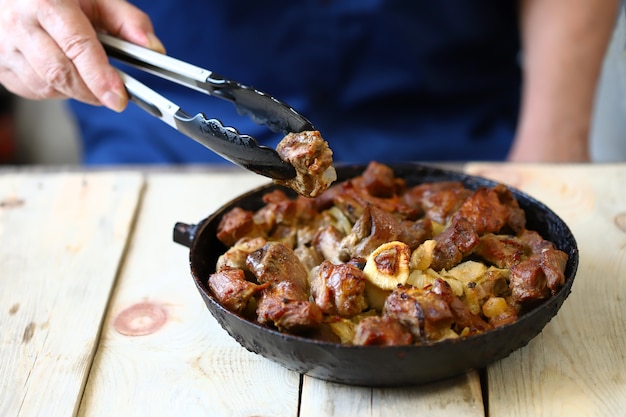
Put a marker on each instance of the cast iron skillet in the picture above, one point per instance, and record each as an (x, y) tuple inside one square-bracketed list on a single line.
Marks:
[(376, 365)]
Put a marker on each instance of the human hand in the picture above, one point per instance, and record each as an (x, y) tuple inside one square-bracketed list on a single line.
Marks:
[(49, 49)]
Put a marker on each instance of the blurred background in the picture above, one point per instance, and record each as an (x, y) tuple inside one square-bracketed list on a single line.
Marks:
[(44, 133)]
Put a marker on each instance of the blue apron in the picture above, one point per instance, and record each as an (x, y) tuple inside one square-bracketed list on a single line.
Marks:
[(381, 80)]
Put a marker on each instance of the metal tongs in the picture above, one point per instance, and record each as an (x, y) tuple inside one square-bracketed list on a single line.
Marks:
[(242, 150)]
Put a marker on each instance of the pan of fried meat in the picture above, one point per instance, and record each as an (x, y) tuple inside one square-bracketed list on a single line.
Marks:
[(398, 274)]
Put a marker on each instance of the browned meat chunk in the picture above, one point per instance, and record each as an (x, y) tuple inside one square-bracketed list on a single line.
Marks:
[(528, 282), (327, 242), (441, 205), (553, 262), (274, 263), (538, 276), (542, 274), (376, 187), (382, 331), (279, 305), (438, 200), (516, 217), (380, 181), (285, 302), (426, 314), (348, 200), (491, 209), (309, 256), (503, 251), (414, 233), (373, 228), (535, 243), (231, 289), (484, 211), (339, 289), (456, 241), (278, 209), (310, 155), (235, 224)]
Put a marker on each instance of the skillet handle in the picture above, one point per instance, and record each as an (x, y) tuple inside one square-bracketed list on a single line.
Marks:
[(184, 233)]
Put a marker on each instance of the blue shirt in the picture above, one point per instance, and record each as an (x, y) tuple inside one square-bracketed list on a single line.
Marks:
[(381, 80)]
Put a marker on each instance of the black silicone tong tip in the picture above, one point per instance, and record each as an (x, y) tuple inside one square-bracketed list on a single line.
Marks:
[(242, 150), (262, 108)]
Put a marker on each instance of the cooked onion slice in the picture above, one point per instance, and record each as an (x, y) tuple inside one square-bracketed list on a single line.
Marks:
[(388, 265)]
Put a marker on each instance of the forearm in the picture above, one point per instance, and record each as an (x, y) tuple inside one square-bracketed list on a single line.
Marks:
[(563, 43)]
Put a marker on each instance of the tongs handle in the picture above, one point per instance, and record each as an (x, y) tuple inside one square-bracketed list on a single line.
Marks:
[(242, 150)]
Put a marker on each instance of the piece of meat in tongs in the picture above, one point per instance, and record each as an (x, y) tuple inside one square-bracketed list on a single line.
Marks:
[(303, 161)]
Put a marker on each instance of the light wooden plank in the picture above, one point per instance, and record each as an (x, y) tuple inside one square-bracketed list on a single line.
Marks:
[(460, 396), (185, 364), (61, 240), (577, 366)]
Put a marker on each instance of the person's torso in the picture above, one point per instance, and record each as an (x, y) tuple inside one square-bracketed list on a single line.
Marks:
[(384, 80)]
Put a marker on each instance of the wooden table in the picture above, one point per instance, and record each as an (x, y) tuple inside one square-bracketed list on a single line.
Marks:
[(99, 315)]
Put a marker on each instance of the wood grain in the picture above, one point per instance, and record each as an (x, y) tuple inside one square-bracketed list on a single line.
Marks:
[(577, 365), (188, 365), (61, 240), (460, 396)]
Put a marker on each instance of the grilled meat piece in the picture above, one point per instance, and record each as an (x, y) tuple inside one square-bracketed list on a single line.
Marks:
[(285, 302), (456, 241), (279, 209), (425, 313), (375, 187), (232, 290), (414, 233), (489, 210), (442, 204), (374, 227), (236, 224), (539, 276), (279, 304), (379, 180), (327, 242), (542, 274), (310, 155), (534, 242), (503, 251), (339, 289), (382, 331), (309, 256)]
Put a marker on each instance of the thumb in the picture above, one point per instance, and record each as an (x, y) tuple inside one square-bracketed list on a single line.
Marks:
[(124, 20)]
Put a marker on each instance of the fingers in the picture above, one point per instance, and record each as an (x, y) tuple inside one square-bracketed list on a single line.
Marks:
[(18, 77), (22, 85), (75, 63), (55, 71), (120, 18), (49, 49)]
